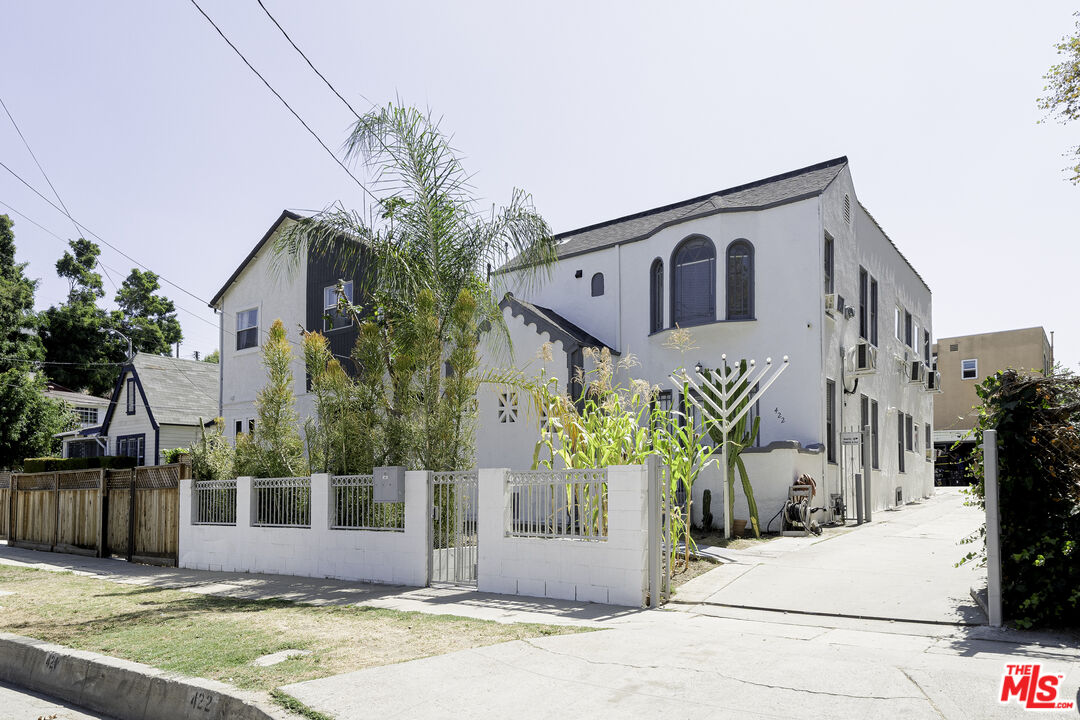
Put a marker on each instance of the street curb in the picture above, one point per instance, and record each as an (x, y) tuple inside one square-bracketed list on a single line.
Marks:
[(123, 689)]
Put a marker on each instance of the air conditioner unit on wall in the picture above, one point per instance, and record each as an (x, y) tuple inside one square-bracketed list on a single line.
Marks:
[(933, 381), (864, 358), (916, 372)]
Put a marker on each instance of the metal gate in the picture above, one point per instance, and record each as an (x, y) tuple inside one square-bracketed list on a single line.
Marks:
[(455, 500)]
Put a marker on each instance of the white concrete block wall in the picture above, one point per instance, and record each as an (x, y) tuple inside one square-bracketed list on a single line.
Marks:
[(400, 558), (611, 571)]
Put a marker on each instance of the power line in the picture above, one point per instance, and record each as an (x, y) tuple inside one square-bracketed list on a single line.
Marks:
[(102, 240), (41, 169), (285, 103), (308, 61), (104, 267)]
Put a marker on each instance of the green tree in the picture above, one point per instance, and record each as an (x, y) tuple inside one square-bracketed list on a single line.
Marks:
[(213, 357), (81, 355), (275, 448), (18, 322), (426, 244), (1062, 98), (145, 317), (28, 419)]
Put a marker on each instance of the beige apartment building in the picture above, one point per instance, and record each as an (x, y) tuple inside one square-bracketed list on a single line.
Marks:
[(963, 363)]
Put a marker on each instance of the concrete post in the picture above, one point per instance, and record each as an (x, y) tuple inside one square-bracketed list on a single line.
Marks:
[(417, 530), (491, 523), (245, 510), (868, 462), (859, 499), (652, 465), (993, 528), (322, 506)]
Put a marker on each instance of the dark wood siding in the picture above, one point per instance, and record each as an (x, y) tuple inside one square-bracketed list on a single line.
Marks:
[(322, 272)]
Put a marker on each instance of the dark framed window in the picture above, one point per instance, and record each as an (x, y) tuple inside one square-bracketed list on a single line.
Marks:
[(874, 460), (830, 420), (238, 427), (873, 312), (900, 440), (656, 295), (740, 280), (864, 297), (693, 282), (333, 317), (598, 284), (131, 396), (864, 420), (926, 347), (969, 369), (247, 329), (908, 340), (929, 443), (661, 402), (251, 426), (828, 264), (908, 434), (132, 446)]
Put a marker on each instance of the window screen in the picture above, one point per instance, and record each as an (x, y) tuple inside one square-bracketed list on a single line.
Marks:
[(247, 328), (598, 284), (740, 281), (694, 282)]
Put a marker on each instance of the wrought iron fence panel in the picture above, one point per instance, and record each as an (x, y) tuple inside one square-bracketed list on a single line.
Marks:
[(559, 504), (281, 502), (455, 541), (355, 507), (215, 502)]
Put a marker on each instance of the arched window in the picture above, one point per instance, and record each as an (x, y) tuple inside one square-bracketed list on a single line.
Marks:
[(656, 296), (693, 282), (598, 284), (740, 280)]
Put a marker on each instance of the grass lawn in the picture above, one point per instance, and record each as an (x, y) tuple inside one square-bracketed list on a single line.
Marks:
[(217, 637)]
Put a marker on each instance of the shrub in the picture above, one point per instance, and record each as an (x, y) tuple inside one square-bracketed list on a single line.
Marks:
[(172, 456), (55, 464), (1039, 493), (212, 456)]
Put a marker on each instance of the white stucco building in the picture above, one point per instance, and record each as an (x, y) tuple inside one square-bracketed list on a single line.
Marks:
[(790, 265)]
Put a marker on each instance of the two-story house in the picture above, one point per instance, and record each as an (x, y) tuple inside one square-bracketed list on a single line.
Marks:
[(790, 265)]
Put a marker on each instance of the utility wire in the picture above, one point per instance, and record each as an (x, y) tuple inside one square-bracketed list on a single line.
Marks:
[(286, 104), (308, 61)]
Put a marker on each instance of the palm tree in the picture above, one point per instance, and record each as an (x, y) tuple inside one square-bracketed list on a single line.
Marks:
[(422, 242)]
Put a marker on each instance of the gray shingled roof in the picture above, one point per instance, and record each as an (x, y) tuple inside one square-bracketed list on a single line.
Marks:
[(179, 391), (555, 325), (776, 190)]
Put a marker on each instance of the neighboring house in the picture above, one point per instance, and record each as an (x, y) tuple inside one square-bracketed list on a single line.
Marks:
[(265, 288), (157, 405), (790, 265), (963, 363), (90, 411)]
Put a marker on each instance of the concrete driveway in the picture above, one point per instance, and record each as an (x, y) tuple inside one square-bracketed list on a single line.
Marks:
[(898, 567)]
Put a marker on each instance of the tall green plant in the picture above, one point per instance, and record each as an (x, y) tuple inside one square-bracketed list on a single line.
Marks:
[(212, 455), (275, 448), (742, 434)]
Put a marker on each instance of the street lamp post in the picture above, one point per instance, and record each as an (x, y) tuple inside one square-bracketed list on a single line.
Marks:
[(113, 331)]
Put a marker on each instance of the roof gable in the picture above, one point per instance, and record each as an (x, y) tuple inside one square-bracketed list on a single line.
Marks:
[(173, 391), (285, 215), (555, 325)]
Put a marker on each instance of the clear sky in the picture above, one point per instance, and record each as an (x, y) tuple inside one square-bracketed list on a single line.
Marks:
[(162, 142)]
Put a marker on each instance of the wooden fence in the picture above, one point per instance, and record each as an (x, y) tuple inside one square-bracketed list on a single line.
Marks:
[(134, 514)]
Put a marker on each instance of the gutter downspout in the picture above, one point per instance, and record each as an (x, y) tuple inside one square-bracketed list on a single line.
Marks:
[(221, 362)]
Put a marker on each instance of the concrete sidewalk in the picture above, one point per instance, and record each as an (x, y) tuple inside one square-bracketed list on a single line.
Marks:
[(899, 567), (251, 586)]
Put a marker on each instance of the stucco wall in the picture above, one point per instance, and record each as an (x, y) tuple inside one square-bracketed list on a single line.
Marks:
[(366, 555), (278, 290)]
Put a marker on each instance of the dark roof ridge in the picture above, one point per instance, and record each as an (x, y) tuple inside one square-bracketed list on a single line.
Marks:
[(703, 198)]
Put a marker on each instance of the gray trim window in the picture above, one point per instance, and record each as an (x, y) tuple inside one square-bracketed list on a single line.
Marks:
[(899, 318), (132, 446), (828, 264), (693, 282), (597, 284), (333, 317), (656, 295), (873, 311), (969, 369), (251, 426), (830, 420), (87, 415), (247, 329), (908, 330), (926, 347), (908, 422), (900, 440), (929, 443), (238, 428), (864, 420), (131, 396), (864, 296), (875, 460), (740, 280)]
